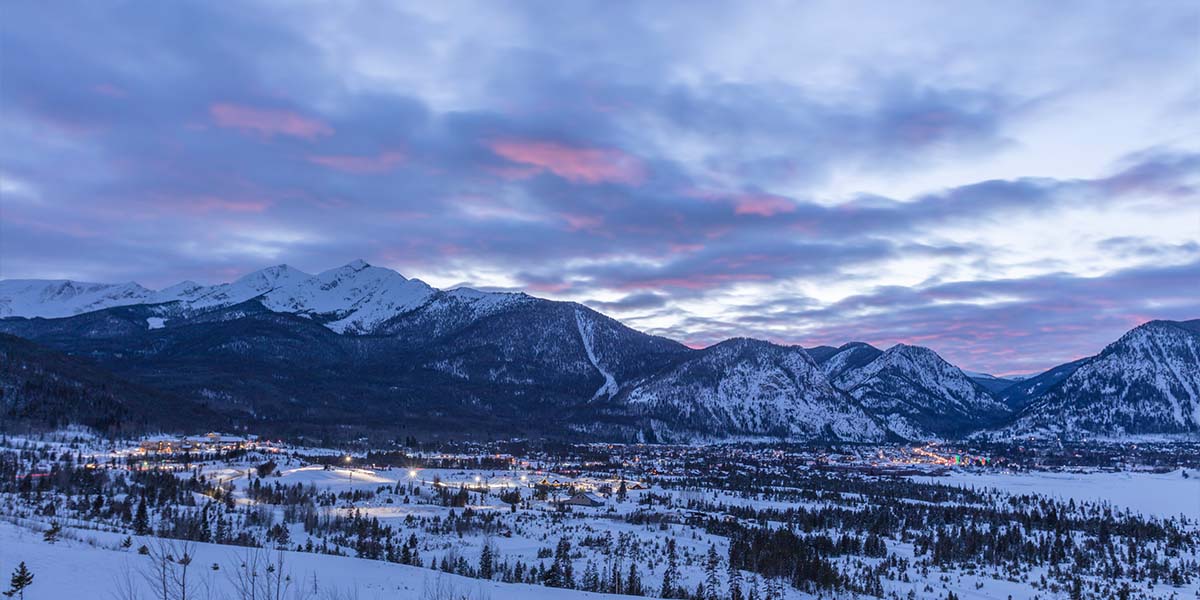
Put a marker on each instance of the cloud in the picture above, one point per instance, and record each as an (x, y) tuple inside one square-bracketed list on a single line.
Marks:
[(730, 170), (268, 122), (645, 300), (360, 165), (580, 165)]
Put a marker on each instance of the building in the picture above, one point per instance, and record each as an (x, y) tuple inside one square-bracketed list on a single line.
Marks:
[(587, 499), (209, 442)]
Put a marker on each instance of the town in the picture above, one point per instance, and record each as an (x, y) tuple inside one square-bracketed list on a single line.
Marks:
[(658, 520)]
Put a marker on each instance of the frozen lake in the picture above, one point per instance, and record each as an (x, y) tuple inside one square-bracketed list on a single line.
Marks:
[(1158, 494)]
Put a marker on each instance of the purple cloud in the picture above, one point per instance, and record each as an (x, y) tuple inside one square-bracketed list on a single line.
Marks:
[(581, 153)]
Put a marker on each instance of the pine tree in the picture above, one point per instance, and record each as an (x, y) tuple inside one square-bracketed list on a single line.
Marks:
[(671, 575), (1076, 589), (141, 522), (712, 581), (21, 579), (51, 535), (591, 578), (485, 562), (735, 583), (633, 583), (562, 572), (615, 584)]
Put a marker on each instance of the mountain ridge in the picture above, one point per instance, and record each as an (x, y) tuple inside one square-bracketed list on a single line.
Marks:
[(358, 333)]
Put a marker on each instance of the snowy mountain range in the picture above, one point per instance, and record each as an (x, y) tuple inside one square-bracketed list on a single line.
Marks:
[(363, 346), (751, 388), (353, 298), (916, 392), (1147, 382)]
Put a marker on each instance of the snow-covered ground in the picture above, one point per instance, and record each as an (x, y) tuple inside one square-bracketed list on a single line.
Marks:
[(1153, 494), (93, 568), (687, 506)]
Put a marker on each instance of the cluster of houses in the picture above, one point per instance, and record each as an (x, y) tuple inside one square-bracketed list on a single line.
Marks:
[(588, 492), (209, 442)]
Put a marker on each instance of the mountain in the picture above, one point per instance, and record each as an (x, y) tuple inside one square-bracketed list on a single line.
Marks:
[(63, 298), (364, 346), (1022, 392), (744, 387), (354, 298), (43, 387), (253, 285), (919, 395), (994, 385), (836, 361), (1146, 382), (360, 349)]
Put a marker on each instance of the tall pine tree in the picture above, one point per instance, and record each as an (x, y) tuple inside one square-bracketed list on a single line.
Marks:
[(21, 579)]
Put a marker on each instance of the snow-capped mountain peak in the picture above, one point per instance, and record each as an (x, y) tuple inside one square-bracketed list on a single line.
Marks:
[(744, 386), (1148, 381), (354, 298), (63, 297), (847, 357), (919, 393)]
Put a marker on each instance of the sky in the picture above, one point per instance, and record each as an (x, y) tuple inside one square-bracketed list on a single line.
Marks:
[(1012, 184)]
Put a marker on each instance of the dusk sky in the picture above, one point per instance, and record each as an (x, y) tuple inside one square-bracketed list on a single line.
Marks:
[(1013, 185)]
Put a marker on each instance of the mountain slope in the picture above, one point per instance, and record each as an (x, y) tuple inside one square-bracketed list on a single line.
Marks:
[(362, 346), (994, 385), (744, 387), (847, 357), (462, 361), (920, 395), (354, 298), (39, 386), (1020, 394), (1147, 382), (63, 298)]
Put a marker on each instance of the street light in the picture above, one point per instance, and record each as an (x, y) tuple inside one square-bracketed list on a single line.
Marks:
[(349, 470)]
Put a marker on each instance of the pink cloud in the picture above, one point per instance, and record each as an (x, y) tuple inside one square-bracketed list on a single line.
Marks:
[(587, 165), (578, 222), (747, 203), (268, 122), (360, 165), (764, 205)]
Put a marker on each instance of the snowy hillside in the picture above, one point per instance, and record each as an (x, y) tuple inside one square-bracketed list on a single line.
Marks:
[(63, 298), (368, 333), (249, 286), (1022, 392), (749, 387), (847, 357), (919, 394), (1146, 382), (100, 568), (353, 298)]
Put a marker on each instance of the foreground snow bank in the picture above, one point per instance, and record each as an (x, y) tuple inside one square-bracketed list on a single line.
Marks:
[(76, 569)]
